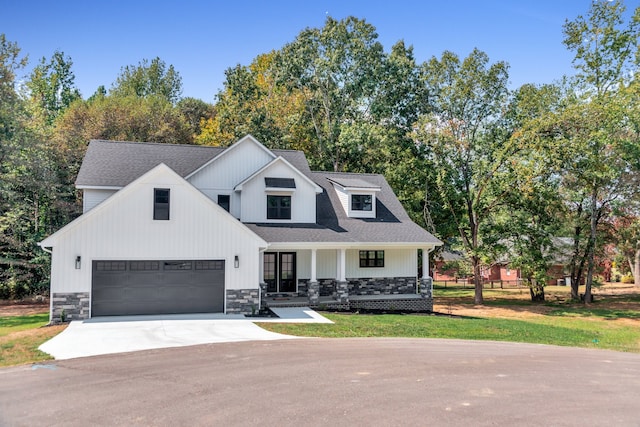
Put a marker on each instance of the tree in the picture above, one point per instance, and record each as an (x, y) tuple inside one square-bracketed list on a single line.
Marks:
[(532, 212), (149, 78), (337, 69), (467, 146), (30, 201), (128, 118), (593, 132), (51, 86), (196, 112), (10, 63)]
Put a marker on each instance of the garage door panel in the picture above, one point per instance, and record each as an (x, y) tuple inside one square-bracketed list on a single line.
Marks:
[(157, 287)]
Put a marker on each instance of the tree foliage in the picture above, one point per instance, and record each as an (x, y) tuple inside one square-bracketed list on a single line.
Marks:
[(51, 86), (466, 146), (149, 79)]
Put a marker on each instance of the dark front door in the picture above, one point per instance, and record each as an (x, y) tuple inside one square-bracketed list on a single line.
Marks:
[(280, 271)]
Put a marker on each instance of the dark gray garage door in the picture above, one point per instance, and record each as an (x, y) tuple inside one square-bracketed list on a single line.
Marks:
[(157, 287)]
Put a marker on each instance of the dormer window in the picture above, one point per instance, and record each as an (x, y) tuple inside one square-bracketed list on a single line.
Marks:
[(357, 195), (361, 202), (278, 207)]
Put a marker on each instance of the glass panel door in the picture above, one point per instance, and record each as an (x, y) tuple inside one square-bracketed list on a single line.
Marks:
[(287, 272), (270, 273)]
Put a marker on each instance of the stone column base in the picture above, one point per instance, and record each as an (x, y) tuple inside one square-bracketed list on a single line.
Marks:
[(426, 287), (342, 292), (313, 291)]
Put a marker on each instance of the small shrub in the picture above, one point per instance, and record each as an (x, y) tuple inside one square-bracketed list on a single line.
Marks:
[(627, 278)]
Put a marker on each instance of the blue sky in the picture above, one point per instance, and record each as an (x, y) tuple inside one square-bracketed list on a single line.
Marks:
[(203, 38)]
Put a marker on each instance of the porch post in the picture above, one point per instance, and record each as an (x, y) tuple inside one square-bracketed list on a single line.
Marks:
[(261, 283), (425, 262), (313, 264), (314, 289), (342, 287), (426, 284)]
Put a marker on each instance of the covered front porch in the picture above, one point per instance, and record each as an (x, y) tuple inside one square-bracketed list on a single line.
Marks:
[(344, 278)]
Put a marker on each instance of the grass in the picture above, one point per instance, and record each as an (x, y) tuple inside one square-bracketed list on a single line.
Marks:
[(553, 330), (611, 322), (20, 337)]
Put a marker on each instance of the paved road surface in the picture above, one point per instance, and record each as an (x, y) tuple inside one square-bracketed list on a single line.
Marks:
[(330, 382)]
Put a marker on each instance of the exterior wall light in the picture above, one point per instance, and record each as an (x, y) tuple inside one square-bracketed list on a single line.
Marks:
[(236, 262), (78, 262)]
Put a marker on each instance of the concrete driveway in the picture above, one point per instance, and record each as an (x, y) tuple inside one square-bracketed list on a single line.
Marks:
[(121, 334)]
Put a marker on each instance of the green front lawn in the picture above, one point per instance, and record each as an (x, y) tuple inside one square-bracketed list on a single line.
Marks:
[(20, 337), (593, 332)]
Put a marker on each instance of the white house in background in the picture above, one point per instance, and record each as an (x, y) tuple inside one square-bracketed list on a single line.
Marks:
[(190, 229)]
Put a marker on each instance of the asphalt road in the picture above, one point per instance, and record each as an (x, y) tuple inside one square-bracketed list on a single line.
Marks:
[(335, 382)]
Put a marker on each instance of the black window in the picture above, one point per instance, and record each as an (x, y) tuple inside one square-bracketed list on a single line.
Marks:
[(371, 258), (361, 202), (224, 201), (161, 203), (278, 207)]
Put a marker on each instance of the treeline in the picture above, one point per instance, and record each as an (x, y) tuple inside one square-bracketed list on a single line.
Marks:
[(493, 172)]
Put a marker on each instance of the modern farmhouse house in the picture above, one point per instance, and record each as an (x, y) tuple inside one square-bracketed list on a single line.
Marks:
[(194, 229)]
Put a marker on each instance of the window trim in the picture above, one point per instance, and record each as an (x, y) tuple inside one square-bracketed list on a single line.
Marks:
[(279, 208), (367, 261), (360, 203), (160, 207)]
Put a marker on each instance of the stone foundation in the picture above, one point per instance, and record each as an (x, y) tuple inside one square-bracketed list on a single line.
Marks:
[(383, 286), (69, 306), (303, 287), (327, 287), (243, 301), (368, 286)]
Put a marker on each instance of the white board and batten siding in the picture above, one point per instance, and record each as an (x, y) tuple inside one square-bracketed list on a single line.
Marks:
[(254, 196), (397, 263), (92, 197), (123, 228), (232, 167)]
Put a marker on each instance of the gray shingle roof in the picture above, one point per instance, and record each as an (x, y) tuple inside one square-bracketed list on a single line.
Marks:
[(392, 224), (352, 182), (116, 164)]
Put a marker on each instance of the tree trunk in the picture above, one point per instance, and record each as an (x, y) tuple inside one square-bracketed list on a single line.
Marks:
[(591, 249), (477, 281), (536, 290), (636, 269)]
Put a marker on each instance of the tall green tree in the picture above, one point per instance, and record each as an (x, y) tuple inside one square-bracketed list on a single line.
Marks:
[(467, 146), (592, 134), (51, 86), (337, 69), (30, 201), (149, 78)]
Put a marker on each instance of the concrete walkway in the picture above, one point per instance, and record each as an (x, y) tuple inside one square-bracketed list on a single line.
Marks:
[(121, 334)]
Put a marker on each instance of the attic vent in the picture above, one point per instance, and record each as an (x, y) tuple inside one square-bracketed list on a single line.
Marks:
[(280, 182)]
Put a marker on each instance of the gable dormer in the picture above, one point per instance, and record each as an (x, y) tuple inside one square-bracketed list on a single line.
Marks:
[(278, 193), (357, 196)]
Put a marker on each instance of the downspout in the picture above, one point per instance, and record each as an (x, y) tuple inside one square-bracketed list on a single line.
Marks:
[(49, 251)]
